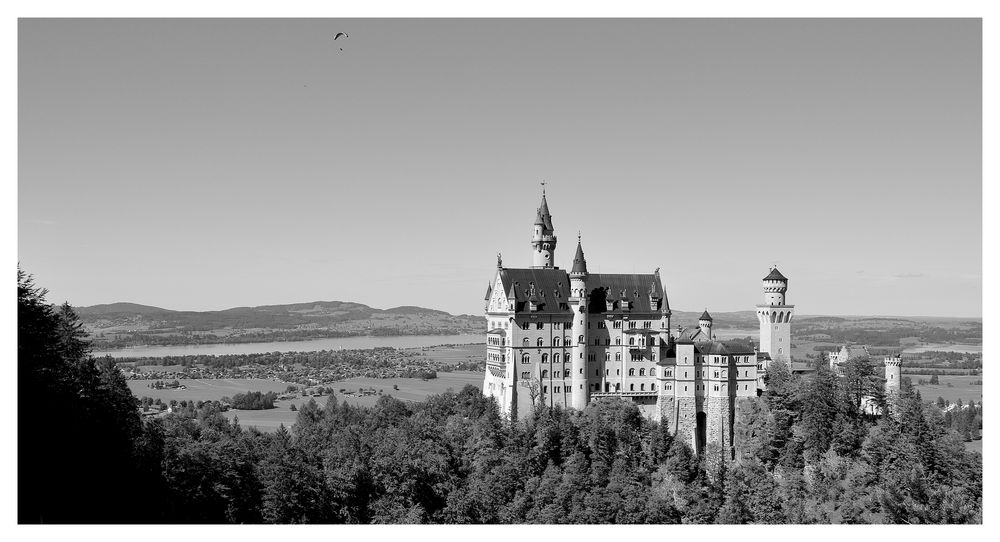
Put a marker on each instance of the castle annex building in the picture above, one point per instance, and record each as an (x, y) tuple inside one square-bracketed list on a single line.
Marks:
[(565, 338)]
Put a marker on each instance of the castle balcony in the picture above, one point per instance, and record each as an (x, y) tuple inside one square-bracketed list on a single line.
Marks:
[(646, 393)]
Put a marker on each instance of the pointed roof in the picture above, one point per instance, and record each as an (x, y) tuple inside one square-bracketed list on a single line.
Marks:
[(775, 275), (489, 292), (705, 316), (544, 218), (579, 262)]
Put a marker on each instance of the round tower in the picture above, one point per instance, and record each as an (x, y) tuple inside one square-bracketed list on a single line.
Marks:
[(705, 323), (578, 304), (775, 286), (543, 239), (775, 317)]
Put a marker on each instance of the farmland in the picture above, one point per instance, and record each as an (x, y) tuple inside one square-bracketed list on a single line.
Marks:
[(961, 388)]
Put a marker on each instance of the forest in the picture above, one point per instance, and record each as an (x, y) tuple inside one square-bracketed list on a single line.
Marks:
[(803, 453)]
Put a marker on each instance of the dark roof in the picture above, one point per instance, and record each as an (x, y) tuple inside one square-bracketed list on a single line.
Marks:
[(718, 348), (775, 275), (692, 334), (604, 286), (705, 316), (579, 262), (551, 289), (489, 292)]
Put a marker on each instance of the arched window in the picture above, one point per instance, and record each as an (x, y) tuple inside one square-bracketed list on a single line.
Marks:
[(652, 387), (774, 316), (539, 341), (618, 340), (555, 341), (606, 387), (631, 341), (652, 372), (607, 356), (555, 358), (618, 356), (642, 372), (631, 387), (631, 372), (618, 387), (545, 374), (526, 343), (545, 358), (642, 387), (525, 358), (579, 340)]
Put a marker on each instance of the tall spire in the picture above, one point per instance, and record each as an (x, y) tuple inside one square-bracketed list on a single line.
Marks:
[(544, 218), (579, 262)]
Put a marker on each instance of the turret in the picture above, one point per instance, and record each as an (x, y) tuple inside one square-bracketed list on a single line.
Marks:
[(705, 323), (775, 317), (578, 305), (543, 239), (775, 286)]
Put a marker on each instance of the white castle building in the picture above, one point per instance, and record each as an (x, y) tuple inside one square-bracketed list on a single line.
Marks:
[(558, 338)]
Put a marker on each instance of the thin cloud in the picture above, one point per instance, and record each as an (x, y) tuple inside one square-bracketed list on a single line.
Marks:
[(908, 275)]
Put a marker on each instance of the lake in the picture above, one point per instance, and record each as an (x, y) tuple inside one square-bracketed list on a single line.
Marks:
[(346, 343)]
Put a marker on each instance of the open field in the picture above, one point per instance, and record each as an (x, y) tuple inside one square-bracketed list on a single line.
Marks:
[(206, 390), (410, 389), (962, 388)]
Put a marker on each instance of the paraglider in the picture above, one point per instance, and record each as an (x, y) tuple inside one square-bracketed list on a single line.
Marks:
[(339, 35)]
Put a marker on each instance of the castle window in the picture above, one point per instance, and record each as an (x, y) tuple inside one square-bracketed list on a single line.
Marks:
[(631, 372), (526, 325), (526, 343), (607, 387), (642, 387), (597, 342), (558, 389), (618, 387), (670, 373), (590, 357), (545, 374), (539, 325), (618, 356), (556, 325), (607, 341), (545, 389), (618, 372), (555, 358), (631, 387), (618, 324), (539, 342), (580, 340), (525, 375), (642, 372), (525, 358), (716, 374), (685, 388), (597, 372), (555, 341), (607, 372), (631, 341), (555, 374), (618, 341), (601, 325), (545, 358), (716, 387), (607, 356)]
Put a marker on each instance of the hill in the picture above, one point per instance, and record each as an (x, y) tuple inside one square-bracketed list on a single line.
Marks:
[(117, 325)]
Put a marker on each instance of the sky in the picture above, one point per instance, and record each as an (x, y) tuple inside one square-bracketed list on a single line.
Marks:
[(205, 164)]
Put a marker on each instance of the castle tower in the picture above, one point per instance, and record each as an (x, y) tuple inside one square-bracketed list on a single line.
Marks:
[(892, 375), (705, 323), (543, 239), (578, 304), (775, 318)]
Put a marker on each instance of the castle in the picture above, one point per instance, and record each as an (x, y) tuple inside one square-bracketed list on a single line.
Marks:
[(559, 338)]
